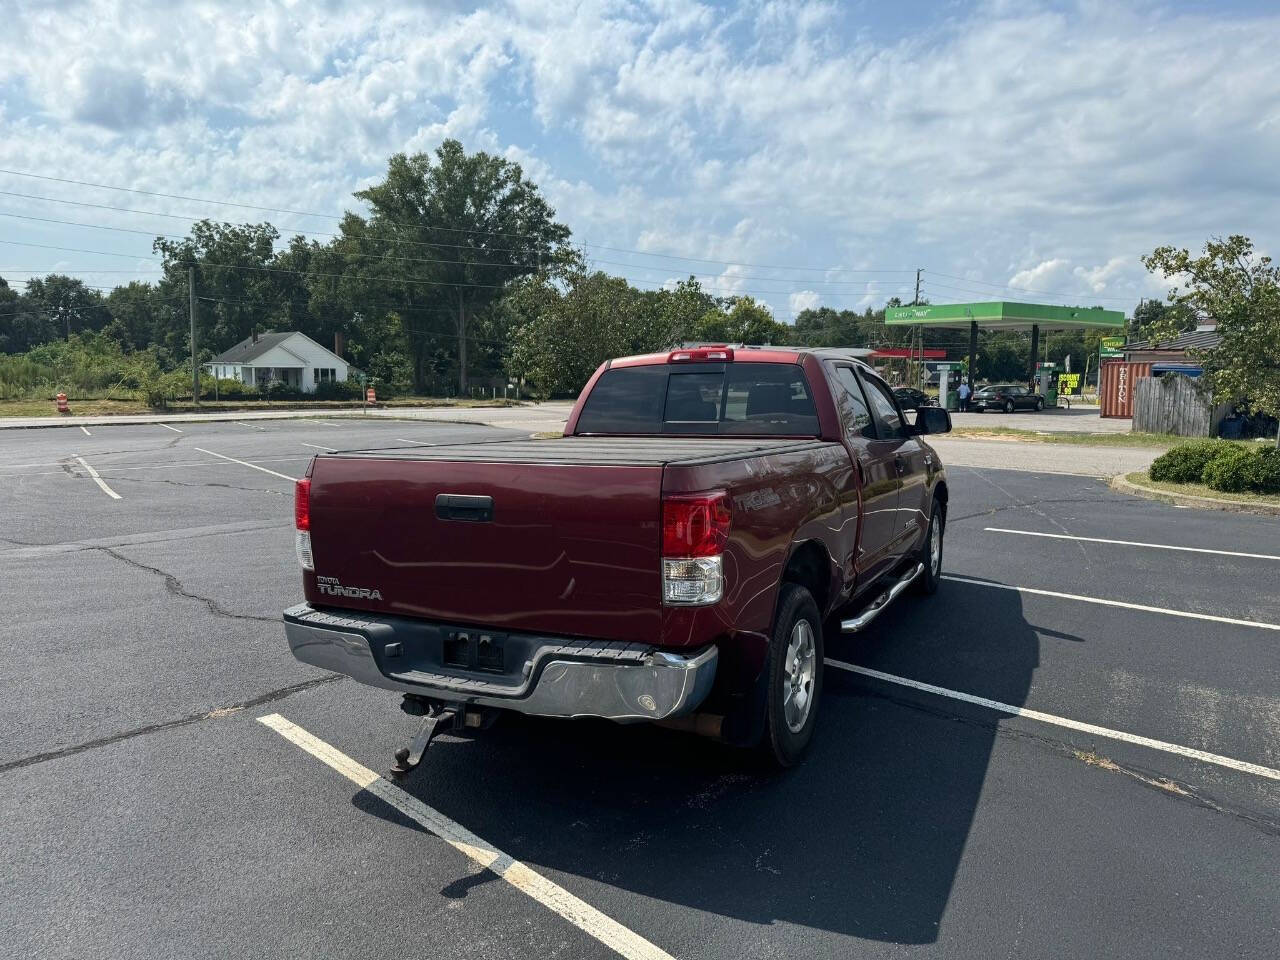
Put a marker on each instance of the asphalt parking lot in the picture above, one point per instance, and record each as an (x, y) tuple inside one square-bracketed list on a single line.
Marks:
[(1072, 750)]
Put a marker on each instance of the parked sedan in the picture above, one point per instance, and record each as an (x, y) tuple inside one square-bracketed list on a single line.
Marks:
[(1007, 397), (909, 398)]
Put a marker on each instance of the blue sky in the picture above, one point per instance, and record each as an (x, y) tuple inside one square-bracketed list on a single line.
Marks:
[(805, 153)]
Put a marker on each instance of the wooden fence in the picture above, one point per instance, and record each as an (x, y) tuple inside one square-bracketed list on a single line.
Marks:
[(1174, 404)]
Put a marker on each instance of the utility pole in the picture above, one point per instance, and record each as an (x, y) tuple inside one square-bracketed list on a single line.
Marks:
[(915, 301), (195, 370)]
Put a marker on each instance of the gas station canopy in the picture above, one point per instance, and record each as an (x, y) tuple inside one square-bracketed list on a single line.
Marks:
[(1005, 315)]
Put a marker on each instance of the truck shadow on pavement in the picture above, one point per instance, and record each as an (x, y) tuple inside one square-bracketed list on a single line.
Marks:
[(863, 839)]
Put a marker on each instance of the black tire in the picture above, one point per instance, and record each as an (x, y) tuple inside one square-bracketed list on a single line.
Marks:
[(782, 743), (1039, 405), (927, 582), (1008, 406)]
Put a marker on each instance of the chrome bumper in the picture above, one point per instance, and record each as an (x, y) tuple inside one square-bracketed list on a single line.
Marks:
[(616, 681)]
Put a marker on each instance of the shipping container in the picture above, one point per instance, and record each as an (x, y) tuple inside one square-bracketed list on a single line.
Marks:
[(1116, 382)]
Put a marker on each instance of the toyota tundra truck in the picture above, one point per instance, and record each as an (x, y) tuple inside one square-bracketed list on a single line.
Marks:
[(675, 557)]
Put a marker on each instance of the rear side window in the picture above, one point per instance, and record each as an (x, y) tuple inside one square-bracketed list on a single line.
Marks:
[(628, 400), (747, 399)]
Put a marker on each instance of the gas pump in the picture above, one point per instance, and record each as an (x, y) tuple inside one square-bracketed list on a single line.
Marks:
[(1047, 383), (947, 399)]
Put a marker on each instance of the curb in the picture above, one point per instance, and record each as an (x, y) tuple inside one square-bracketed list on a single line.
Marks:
[(135, 420), (1124, 485)]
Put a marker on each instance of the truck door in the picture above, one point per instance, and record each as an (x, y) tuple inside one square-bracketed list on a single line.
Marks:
[(903, 456), (915, 465), (874, 470)]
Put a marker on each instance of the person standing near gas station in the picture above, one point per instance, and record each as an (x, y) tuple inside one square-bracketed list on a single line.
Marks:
[(963, 395)]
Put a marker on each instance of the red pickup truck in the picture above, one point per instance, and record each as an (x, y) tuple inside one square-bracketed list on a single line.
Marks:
[(674, 557)]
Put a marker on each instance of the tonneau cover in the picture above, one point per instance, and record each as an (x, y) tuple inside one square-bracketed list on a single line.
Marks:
[(601, 451)]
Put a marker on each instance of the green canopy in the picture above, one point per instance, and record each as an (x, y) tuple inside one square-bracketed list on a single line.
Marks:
[(1005, 315)]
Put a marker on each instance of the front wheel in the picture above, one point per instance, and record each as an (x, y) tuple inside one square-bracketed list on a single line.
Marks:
[(931, 552), (795, 676)]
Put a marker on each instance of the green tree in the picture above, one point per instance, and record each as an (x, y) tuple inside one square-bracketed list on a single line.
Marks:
[(563, 335), (460, 229), (744, 321), (1241, 291), (1148, 313)]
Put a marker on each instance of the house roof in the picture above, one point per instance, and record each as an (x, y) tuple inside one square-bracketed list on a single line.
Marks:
[(246, 351), (1192, 340)]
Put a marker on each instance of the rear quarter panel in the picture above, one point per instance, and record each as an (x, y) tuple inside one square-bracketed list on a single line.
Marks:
[(777, 501)]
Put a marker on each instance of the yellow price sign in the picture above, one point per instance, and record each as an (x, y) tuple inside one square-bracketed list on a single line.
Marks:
[(1068, 383)]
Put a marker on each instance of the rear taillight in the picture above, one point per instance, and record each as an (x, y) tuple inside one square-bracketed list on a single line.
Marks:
[(302, 504), (302, 523), (695, 530), (695, 526)]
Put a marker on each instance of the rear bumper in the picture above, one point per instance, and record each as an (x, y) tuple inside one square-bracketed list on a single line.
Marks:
[(557, 678)]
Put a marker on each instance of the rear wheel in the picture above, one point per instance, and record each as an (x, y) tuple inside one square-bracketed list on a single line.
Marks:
[(795, 676), (931, 552), (1039, 405), (1008, 406)]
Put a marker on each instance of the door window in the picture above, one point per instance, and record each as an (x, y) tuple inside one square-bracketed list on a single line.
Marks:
[(886, 411), (854, 413)]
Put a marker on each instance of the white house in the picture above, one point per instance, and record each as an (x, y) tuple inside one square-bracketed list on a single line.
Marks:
[(292, 358)]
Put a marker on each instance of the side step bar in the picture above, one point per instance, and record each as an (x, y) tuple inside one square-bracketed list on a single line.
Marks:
[(876, 606)]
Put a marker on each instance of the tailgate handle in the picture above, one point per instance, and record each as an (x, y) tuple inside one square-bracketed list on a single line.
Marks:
[(460, 506)]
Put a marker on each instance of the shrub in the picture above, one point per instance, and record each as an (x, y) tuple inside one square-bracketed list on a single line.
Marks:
[(1185, 464), (1269, 470), (1236, 470), (339, 390)]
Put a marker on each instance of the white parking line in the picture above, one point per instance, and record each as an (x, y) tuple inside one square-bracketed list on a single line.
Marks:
[(578, 912), (317, 446), (1241, 765), (1116, 603), (1134, 543), (251, 426), (245, 463), (86, 432), (321, 422), (421, 443), (99, 481), (167, 427)]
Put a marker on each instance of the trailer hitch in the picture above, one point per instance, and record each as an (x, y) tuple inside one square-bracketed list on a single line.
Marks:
[(434, 716)]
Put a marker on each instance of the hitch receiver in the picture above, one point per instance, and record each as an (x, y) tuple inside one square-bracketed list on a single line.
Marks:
[(408, 758)]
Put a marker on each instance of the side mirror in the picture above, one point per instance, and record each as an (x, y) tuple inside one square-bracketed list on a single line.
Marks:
[(933, 420)]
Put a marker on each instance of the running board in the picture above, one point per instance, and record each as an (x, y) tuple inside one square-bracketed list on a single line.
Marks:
[(876, 607)]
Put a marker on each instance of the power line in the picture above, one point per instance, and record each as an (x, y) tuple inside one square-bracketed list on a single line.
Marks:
[(415, 226), (383, 257), (373, 279)]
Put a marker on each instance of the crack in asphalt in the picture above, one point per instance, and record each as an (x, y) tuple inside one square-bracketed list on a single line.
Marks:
[(992, 511), (1149, 778), (277, 694), (179, 483), (175, 587)]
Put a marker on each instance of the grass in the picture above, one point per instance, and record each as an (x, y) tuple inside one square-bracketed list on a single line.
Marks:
[(1143, 478), (97, 407), (1162, 441)]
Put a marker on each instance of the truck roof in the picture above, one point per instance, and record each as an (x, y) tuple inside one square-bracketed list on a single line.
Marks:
[(750, 354), (599, 451)]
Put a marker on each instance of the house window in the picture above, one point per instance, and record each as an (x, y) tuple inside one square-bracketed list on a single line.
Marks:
[(323, 374)]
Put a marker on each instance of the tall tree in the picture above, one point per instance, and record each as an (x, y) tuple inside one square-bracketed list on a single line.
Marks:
[(459, 228), (1241, 291)]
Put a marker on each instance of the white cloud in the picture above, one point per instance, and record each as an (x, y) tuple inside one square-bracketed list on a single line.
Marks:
[(1034, 146), (805, 300)]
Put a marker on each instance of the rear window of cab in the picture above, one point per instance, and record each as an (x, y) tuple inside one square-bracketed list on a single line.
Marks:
[(746, 399)]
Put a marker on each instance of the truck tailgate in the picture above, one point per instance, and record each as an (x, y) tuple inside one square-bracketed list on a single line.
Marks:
[(569, 549)]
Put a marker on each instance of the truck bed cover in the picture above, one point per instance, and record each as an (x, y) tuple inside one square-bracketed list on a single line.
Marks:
[(599, 451)]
